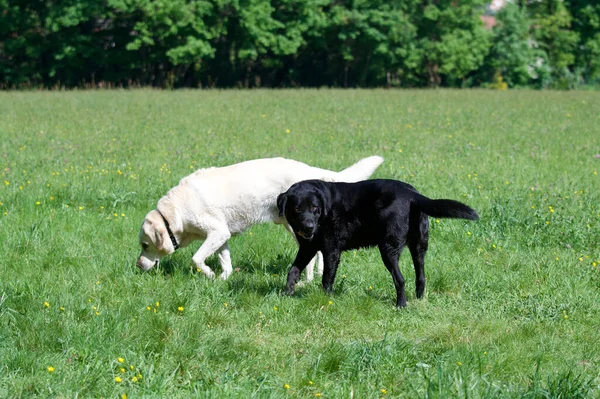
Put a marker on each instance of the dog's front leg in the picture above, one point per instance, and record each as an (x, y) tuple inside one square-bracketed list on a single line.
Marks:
[(225, 261), (305, 254), (311, 265), (331, 261), (214, 241)]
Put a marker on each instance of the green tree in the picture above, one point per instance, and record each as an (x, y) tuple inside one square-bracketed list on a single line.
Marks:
[(363, 43), (586, 22), (168, 38), (511, 54), (42, 41), (453, 39), (551, 30)]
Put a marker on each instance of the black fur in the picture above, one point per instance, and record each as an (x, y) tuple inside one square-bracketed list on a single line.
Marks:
[(335, 217)]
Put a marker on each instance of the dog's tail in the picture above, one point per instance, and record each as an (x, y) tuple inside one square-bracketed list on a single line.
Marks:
[(445, 208), (361, 170)]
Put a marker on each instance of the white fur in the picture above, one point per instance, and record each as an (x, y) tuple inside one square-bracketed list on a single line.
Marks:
[(215, 203)]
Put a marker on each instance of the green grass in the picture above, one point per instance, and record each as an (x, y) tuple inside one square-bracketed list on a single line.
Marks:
[(512, 304)]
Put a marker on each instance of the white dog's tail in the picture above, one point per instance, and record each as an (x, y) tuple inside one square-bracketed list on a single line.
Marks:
[(361, 170)]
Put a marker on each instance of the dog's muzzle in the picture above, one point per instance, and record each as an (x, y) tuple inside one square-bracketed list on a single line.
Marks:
[(140, 264)]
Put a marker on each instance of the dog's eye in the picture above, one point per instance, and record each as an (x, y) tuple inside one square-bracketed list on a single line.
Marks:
[(297, 209), (314, 209), (144, 246)]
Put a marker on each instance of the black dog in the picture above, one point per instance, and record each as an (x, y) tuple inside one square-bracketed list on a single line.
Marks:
[(335, 217)]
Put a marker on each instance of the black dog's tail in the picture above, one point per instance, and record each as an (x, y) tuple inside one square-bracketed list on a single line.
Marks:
[(445, 208)]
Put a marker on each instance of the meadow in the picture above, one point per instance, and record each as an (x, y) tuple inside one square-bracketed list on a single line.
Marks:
[(512, 303)]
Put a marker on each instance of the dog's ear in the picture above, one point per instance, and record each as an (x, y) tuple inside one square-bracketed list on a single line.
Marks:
[(159, 238), (281, 201), (325, 197)]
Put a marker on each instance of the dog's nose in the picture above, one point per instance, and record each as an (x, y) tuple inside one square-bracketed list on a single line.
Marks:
[(309, 224)]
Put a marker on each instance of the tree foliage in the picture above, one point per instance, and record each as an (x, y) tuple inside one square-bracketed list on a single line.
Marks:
[(251, 43)]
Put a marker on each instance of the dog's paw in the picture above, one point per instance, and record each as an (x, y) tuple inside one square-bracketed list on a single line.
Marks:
[(208, 273), (225, 275), (301, 284)]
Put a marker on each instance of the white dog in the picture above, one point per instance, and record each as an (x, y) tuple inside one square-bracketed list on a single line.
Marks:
[(215, 203)]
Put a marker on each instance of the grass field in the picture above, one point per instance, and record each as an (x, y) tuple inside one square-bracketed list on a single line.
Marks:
[(512, 304)]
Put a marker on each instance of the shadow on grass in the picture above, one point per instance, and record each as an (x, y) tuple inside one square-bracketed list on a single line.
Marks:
[(263, 277), (267, 276)]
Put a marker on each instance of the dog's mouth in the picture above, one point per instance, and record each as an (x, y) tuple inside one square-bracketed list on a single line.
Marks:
[(306, 236)]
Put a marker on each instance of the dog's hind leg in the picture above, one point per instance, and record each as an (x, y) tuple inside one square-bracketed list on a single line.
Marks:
[(214, 241), (225, 261), (320, 263), (418, 239), (390, 252)]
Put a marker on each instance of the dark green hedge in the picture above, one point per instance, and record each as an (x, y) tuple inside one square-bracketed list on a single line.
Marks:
[(275, 43)]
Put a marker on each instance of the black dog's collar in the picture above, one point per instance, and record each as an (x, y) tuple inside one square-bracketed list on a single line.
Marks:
[(171, 236)]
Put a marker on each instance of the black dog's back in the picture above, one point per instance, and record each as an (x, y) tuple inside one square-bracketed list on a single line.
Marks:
[(388, 214), (366, 210)]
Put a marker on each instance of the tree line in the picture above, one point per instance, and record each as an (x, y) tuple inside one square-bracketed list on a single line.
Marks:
[(298, 43)]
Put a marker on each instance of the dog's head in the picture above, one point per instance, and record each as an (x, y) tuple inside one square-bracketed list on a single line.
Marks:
[(154, 240), (304, 205)]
